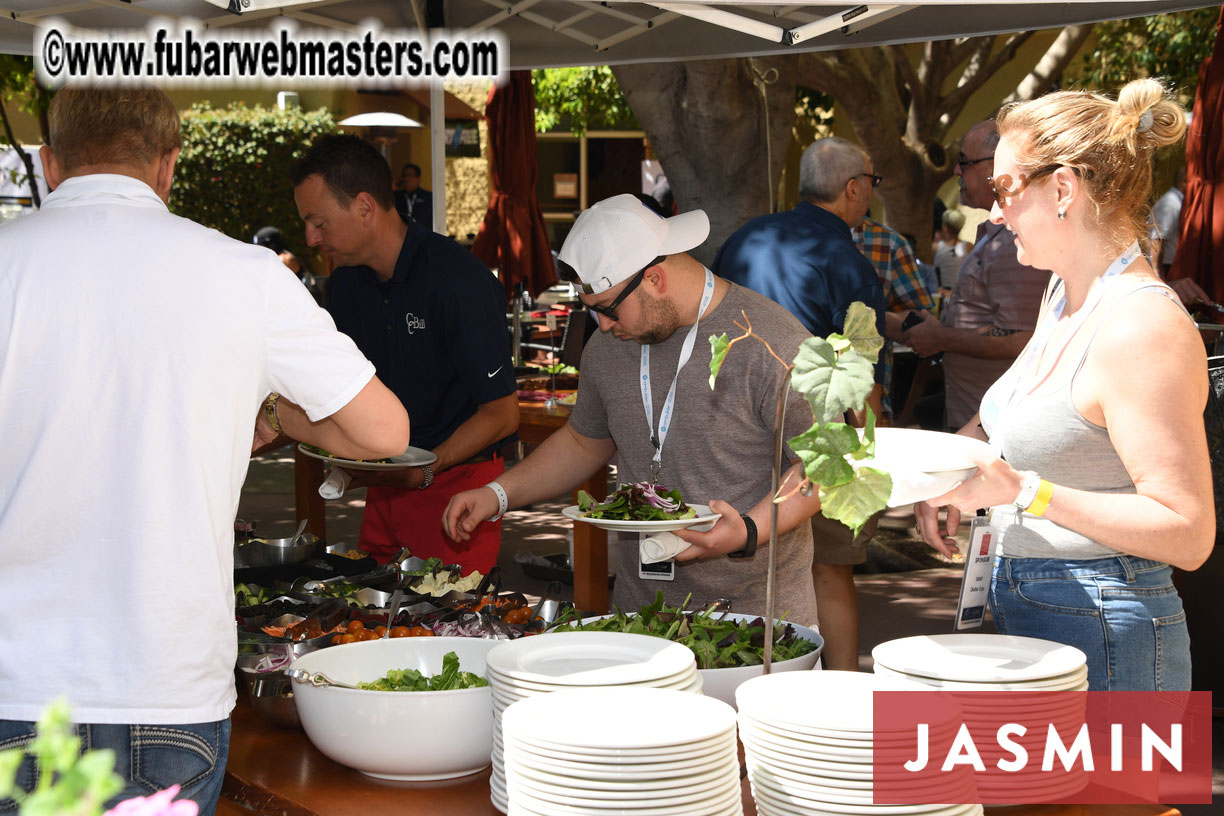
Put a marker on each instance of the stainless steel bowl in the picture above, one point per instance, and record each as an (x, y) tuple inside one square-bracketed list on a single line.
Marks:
[(276, 552), (272, 697)]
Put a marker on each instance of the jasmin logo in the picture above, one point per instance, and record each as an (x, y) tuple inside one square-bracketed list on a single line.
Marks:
[(414, 323)]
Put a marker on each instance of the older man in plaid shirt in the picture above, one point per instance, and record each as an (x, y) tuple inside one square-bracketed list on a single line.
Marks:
[(904, 287)]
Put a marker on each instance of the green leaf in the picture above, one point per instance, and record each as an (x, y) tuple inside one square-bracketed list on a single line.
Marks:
[(823, 448), (718, 353), (857, 501), (10, 761), (860, 330), (832, 383)]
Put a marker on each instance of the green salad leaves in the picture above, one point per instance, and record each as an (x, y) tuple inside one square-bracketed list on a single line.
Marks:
[(715, 642), (642, 501), (450, 679)]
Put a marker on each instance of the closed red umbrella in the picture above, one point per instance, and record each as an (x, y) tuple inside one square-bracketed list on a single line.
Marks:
[(512, 238), (1200, 241)]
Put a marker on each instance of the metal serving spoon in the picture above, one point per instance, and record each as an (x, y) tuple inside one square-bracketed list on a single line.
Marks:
[(316, 679)]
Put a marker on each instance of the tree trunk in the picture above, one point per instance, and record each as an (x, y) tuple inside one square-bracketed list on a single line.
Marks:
[(707, 123), (25, 157)]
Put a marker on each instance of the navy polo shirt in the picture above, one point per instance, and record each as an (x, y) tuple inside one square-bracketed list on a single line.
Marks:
[(804, 259), (436, 332)]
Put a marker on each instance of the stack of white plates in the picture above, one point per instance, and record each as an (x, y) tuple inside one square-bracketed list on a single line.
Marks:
[(970, 663), (529, 667), (808, 743), (623, 751)]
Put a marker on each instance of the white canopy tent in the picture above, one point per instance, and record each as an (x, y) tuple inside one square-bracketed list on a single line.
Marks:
[(553, 33)]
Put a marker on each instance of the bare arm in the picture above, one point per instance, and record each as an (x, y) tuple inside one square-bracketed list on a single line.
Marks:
[(372, 425), (730, 533), (564, 460), (988, 343), (1150, 395)]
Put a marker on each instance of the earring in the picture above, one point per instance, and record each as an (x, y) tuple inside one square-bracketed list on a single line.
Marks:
[(1062, 215)]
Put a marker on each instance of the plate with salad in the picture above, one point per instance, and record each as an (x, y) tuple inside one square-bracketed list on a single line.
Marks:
[(413, 457), (641, 508)]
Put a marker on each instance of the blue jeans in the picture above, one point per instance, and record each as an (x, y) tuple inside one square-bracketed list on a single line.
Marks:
[(1123, 612), (149, 758)]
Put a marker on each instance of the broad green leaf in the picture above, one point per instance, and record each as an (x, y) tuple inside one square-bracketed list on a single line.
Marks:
[(857, 501), (838, 342), (866, 449), (823, 449), (860, 330), (10, 761), (718, 353), (833, 384)]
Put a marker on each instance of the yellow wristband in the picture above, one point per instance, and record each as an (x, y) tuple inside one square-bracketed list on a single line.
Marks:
[(1042, 501), (270, 412)]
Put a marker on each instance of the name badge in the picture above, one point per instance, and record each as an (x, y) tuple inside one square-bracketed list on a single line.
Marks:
[(979, 565), (659, 571)]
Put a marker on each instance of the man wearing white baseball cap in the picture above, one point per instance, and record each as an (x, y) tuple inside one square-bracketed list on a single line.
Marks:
[(649, 401)]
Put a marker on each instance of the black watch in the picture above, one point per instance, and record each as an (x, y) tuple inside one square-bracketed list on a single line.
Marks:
[(749, 545)]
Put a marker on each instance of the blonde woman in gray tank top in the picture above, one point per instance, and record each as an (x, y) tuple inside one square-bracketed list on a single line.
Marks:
[(1104, 479)]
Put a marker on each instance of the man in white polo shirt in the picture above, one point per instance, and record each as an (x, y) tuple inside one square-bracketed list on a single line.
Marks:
[(136, 352)]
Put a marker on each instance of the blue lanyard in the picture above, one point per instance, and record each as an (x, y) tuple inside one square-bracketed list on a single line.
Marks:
[(686, 351)]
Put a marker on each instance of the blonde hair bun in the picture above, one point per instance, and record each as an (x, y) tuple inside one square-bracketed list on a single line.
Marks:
[(1147, 117)]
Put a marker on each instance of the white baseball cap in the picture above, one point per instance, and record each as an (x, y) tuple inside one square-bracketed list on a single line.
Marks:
[(619, 237)]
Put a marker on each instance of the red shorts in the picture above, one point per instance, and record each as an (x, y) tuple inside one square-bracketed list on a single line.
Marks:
[(396, 518)]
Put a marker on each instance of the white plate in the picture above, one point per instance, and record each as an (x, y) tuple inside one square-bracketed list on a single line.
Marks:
[(595, 772), (778, 803), (910, 449), (841, 782), (510, 685), (788, 700), (578, 807), (663, 793), (578, 659), (703, 517), (413, 457), (979, 658), (867, 742), (841, 796), (556, 750), (1063, 682), (619, 718)]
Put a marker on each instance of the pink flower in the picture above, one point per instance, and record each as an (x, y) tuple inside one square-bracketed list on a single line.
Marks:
[(159, 804)]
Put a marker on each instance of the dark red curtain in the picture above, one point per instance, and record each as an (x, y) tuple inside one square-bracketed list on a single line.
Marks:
[(512, 238), (1200, 240)]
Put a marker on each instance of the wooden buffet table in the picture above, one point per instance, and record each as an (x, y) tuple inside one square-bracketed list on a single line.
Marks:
[(536, 423), (273, 770)]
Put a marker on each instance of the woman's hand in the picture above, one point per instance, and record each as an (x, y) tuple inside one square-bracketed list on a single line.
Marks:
[(995, 483)]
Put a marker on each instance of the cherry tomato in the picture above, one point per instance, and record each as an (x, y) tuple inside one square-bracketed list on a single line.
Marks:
[(343, 639), (380, 630), (421, 631), (337, 639), (355, 626), (400, 631), (520, 615)]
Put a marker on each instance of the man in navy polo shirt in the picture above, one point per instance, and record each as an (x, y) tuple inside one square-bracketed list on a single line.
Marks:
[(431, 317)]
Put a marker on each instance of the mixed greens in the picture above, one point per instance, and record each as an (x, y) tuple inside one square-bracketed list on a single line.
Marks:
[(450, 679), (642, 501), (716, 643)]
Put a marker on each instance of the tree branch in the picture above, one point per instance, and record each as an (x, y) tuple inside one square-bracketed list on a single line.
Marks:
[(979, 71), (1055, 60)]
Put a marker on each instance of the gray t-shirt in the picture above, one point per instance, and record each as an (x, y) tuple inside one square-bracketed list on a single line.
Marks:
[(719, 447)]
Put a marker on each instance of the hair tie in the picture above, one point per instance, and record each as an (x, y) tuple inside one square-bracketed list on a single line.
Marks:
[(1145, 122)]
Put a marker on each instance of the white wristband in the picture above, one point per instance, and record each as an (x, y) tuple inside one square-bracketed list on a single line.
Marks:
[(1028, 489), (502, 502)]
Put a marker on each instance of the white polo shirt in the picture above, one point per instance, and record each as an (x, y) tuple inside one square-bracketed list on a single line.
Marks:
[(135, 348)]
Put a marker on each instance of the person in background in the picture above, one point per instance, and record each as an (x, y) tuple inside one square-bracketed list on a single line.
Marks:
[(657, 307), (950, 250), (145, 346), (272, 238), (432, 318), (993, 307), (1166, 217), (412, 201), (1104, 478), (806, 260)]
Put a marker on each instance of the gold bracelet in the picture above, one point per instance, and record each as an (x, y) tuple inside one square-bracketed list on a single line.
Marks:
[(270, 412), (1042, 501)]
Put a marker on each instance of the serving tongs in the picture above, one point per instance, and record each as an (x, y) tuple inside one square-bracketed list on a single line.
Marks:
[(317, 679), (547, 608), (382, 575), (327, 616)]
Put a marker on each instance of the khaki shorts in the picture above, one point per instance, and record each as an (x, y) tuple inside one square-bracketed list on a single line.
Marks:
[(833, 544)]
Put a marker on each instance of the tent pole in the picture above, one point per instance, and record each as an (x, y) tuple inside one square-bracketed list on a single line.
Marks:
[(437, 153)]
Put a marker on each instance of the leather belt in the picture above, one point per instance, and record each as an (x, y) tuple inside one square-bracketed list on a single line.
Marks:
[(484, 457)]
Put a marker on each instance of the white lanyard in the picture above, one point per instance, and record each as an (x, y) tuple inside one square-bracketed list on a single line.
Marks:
[(1057, 307), (686, 351)]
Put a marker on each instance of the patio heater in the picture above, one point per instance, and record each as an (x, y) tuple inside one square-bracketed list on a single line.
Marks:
[(382, 128)]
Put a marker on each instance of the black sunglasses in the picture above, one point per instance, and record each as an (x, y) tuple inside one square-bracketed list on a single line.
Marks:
[(962, 162), (569, 274), (875, 180)]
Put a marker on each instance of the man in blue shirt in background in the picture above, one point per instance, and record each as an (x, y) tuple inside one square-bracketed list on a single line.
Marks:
[(806, 260), (432, 319)]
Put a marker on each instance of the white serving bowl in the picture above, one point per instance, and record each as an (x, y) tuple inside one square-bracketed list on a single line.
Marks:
[(722, 683), (404, 735)]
